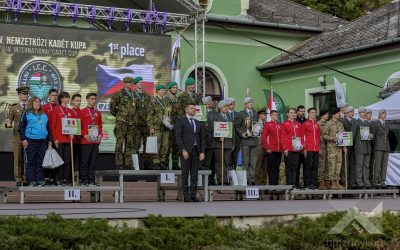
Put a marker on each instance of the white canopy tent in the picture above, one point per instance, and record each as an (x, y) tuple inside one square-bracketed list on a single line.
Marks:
[(391, 104)]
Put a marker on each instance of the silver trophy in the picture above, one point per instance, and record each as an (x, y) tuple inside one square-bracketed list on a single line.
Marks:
[(7, 110)]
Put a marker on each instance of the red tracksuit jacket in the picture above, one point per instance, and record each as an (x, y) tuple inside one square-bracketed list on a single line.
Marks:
[(56, 126), (290, 130), (86, 120), (312, 132), (77, 113), (271, 136), (48, 110)]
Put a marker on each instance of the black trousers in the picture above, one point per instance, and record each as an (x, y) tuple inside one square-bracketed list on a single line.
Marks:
[(77, 156), (64, 172), (273, 162), (190, 167), (234, 156), (35, 154), (87, 169), (291, 166), (209, 164), (311, 168), (218, 164), (301, 162)]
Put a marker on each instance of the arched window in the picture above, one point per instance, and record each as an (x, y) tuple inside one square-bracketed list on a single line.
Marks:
[(213, 85)]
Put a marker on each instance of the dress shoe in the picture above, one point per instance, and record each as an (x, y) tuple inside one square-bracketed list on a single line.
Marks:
[(187, 199), (194, 199), (18, 184)]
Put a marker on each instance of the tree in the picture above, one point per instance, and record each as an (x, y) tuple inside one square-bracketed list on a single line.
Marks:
[(346, 9)]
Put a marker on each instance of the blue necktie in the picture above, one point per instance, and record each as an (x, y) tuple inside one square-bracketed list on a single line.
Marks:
[(192, 124)]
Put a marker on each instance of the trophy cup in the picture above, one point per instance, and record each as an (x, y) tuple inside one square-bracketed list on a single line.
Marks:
[(7, 109), (166, 119), (247, 122)]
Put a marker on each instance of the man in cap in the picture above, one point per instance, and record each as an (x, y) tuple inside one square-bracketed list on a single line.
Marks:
[(172, 99), (222, 116), (189, 96), (247, 118), (236, 144), (380, 130), (123, 107), (140, 128), (157, 111), (334, 152), (347, 122), (13, 118), (207, 126), (323, 182), (362, 137), (342, 107), (261, 165), (372, 159)]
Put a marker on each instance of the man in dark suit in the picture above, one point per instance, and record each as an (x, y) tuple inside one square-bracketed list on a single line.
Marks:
[(301, 118), (233, 116), (190, 137), (362, 148), (347, 122), (380, 130)]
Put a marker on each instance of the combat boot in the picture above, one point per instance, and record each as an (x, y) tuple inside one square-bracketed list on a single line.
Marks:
[(321, 185), (340, 187), (328, 185), (333, 185)]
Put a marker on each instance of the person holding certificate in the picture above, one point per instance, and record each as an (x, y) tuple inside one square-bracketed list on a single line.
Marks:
[(92, 133), (292, 144)]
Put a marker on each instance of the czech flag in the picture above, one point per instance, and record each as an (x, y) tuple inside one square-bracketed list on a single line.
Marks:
[(109, 80)]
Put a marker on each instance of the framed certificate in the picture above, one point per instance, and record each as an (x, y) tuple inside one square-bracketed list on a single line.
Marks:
[(296, 143), (93, 132), (364, 132), (344, 139)]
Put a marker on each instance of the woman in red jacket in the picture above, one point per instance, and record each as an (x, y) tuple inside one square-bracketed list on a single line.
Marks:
[(292, 144), (272, 144), (312, 144), (92, 133), (61, 141)]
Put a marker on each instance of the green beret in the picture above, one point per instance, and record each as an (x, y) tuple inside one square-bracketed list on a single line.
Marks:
[(160, 86), (190, 81), (127, 79), (137, 79), (171, 84)]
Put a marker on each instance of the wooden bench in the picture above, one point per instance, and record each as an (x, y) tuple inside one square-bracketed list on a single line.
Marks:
[(284, 189), (95, 191), (160, 189), (4, 191), (327, 194)]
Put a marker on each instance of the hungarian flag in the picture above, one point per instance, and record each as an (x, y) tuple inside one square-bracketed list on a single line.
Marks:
[(271, 105), (109, 80)]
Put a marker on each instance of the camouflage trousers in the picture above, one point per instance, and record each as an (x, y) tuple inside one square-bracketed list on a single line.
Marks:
[(334, 161), (322, 166), (173, 150), (163, 146), (124, 144)]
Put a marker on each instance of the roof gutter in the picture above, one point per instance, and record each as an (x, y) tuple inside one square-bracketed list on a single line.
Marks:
[(376, 45), (243, 21)]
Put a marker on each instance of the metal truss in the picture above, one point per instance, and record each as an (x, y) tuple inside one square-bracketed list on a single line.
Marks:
[(199, 48)]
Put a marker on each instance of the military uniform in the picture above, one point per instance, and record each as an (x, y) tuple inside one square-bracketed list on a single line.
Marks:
[(123, 107), (334, 152), (14, 117), (380, 130), (322, 166), (186, 98), (173, 147), (157, 109)]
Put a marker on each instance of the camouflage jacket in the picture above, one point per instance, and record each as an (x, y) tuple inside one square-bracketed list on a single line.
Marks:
[(123, 106), (186, 98), (14, 116), (173, 102), (143, 102), (330, 130), (323, 142), (157, 109)]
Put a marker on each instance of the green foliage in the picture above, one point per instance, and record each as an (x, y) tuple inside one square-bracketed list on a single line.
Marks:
[(346, 9), (54, 232)]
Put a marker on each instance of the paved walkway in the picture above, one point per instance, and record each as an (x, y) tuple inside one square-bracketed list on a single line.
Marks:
[(217, 208)]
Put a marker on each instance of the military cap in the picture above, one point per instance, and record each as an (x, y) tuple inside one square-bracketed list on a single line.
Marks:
[(222, 103), (160, 86), (171, 84), (335, 111), (381, 111), (362, 110), (23, 90), (348, 109), (137, 79), (190, 81), (229, 101), (262, 110), (369, 111), (247, 100), (127, 79), (206, 100), (323, 112)]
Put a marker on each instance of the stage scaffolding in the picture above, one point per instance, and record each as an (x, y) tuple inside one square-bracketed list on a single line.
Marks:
[(164, 20)]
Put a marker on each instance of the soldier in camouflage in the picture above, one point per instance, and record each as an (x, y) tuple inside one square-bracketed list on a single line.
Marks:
[(140, 128), (160, 109), (14, 117), (322, 166), (334, 152), (123, 107), (189, 96), (172, 99)]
